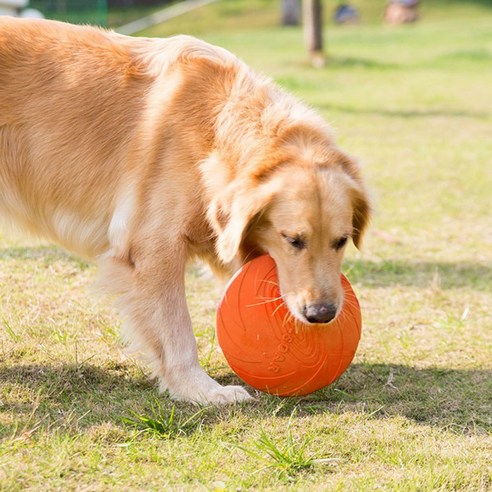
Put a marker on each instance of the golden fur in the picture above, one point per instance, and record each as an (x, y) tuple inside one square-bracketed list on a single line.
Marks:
[(145, 153)]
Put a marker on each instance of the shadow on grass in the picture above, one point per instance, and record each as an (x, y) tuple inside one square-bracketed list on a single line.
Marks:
[(454, 399), (447, 60), (46, 254), (406, 113), (447, 398), (74, 398), (482, 3), (447, 275), (356, 62), (384, 273), (71, 395)]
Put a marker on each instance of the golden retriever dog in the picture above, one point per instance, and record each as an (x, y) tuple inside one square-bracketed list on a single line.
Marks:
[(143, 154)]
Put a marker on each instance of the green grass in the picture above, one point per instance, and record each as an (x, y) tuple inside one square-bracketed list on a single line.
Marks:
[(414, 410), (287, 459)]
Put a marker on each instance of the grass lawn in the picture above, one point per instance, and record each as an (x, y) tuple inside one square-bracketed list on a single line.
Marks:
[(414, 410)]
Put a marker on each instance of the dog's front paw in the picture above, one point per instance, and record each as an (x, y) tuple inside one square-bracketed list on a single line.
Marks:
[(199, 388), (224, 395), (218, 395)]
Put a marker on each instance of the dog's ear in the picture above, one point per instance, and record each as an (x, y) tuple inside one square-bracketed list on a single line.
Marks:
[(233, 211), (361, 203), (361, 214)]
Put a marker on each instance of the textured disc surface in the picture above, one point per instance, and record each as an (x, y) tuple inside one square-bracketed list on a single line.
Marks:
[(269, 349)]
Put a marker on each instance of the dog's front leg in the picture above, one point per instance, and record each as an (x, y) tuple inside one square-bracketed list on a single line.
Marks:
[(179, 371), (158, 326)]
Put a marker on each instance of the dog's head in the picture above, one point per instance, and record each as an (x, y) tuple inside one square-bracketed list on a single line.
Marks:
[(303, 214)]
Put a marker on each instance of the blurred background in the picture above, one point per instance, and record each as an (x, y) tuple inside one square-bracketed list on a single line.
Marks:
[(114, 13)]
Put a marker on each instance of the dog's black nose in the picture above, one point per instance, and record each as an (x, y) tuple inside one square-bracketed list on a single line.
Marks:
[(320, 312)]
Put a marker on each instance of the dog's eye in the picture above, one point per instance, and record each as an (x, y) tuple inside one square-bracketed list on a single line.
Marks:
[(295, 241), (340, 243)]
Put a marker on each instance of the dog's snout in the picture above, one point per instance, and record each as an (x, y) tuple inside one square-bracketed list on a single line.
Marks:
[(320, 312)]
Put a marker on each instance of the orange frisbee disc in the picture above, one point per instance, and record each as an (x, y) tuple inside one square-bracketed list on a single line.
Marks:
[(274, 352)]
